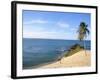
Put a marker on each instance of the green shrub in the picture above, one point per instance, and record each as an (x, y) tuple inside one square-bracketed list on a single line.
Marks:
[(73, 49)]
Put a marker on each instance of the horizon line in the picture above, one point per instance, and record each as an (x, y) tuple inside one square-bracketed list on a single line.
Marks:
[(56, 39)]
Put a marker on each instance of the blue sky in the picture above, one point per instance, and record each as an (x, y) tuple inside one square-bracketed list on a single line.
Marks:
[(53, 25)]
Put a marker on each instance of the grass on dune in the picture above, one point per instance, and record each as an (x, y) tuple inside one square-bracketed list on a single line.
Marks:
[(74, 49)]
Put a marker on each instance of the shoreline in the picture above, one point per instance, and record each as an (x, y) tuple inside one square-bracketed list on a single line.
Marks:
[(79, 59)]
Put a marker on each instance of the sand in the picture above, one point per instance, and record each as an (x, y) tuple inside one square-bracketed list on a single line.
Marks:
[(79, 59)]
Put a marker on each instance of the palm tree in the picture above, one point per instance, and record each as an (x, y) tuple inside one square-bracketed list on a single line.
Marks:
[(82, 32)]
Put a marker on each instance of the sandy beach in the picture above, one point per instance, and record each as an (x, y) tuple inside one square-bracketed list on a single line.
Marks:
[(79, 59)]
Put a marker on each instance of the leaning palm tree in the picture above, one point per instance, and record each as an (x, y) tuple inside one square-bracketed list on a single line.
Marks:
[(82, 32)]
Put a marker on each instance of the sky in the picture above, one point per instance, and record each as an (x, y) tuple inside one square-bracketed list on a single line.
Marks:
[(53, 25)]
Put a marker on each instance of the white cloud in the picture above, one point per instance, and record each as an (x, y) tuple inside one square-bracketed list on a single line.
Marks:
[(74, 29), (37, 21), (48, 35), (63, 24), (45, 34)]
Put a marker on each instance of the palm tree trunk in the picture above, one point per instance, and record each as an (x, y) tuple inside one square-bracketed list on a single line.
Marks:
[(84, 47), (60, 61)]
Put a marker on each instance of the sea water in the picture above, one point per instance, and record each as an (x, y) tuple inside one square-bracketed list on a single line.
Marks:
[(37, 52)]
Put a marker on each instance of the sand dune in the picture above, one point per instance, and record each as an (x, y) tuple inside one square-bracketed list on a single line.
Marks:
[(79, 59)]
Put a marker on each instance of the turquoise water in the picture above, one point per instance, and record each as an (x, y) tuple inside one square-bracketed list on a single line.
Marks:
[(37, 52)]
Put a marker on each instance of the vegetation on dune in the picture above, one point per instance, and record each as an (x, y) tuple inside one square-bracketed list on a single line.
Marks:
[(74, 49), (83, 32)]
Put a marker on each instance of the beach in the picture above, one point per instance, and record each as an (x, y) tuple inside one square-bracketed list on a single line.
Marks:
[(79, 59)]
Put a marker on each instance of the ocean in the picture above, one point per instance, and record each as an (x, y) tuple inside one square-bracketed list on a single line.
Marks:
[(37, 52)]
